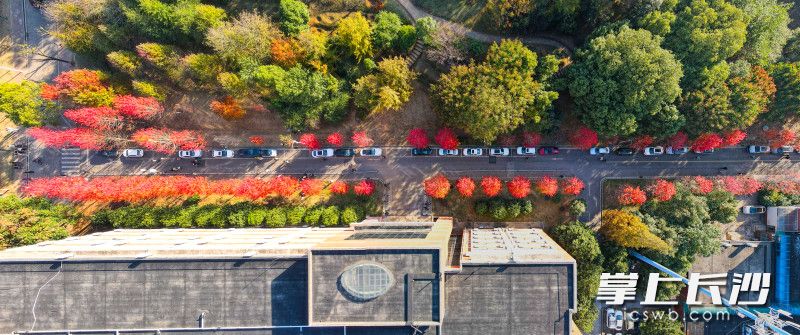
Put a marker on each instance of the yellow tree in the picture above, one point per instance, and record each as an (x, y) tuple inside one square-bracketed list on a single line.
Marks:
[(629, 231), (354, 36)]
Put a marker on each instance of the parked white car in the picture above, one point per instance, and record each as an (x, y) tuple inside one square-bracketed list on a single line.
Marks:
[(753, 209), (322, 153), (499, 152), (526, 151), (599, 151), (758, 149), (133, 153), (473, 151), (222, 153), (614, 319), (677, 151), (786, 149), (653, 151), (448, 152), (190, 153), (370, 152)]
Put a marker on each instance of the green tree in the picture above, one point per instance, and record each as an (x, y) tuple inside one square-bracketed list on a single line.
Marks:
[(149, 89), (163, 58), (275, 218), (767, 29), (86, 26), (496, 96), (426, 28), (353, 37), (204, 67), (385, 29), (388, 89), (181, 22), (125, 61), (329, 216), (22, 103), (722, 206), (658, 22), (787, 96), (624, 83), (33, 220), (577, 207), (661, 326), (249, 36), (791, 51), (294, 17)]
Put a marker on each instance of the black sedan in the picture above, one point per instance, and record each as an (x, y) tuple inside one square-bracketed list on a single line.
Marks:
[(345, 152), (625, 151), (255, 152), (422, 152), (544, 151)]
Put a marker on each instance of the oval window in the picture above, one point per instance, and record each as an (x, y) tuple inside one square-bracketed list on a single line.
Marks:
[(366, 281)]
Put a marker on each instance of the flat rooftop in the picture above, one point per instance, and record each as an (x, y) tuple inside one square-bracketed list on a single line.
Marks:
[(511, 246), (784, 218)]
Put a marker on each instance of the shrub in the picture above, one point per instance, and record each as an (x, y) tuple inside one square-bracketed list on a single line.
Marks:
[(577, 207), (210, 217), (351, 214), (238, 219), (330, 216), (294, 215), (275, 218), (527, 207), (514, 209), (481, 208), (498, 210), (148, 89), (312, 216), (125, 61), (256, 217)]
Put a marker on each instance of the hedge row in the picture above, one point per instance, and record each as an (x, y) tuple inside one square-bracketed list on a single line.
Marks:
[(503, 209), (226, 216)]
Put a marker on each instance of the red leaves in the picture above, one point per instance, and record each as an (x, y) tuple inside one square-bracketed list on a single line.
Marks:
[(365, 187), (572, 186), (257, 140), (137, 107), (74, 137), (663, 190), (531, 139), (99, 118), (72, 83), (547, 186), (631, 196), (446, 139), (491, 186), (678, 140), (437, 187), (734, 137), (778, 138), (418, 138), (707, 141), (465, 186), (312, 186), (583, 138), (740, 185), (285, 186), (310, 141), (641, 142), (360, 139), (701, 185), (519, 187), (339, 187), (168, 141), (228, 108), (335, 139)]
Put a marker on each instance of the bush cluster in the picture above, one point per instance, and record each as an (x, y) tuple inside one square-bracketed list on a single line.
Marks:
[(503, 209), (773, 198), (239, 215)]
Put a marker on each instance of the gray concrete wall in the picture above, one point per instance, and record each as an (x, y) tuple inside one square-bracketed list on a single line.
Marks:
[(150, 294), (508, 300), (330, 304)]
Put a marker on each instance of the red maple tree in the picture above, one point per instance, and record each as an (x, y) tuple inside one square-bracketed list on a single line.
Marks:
[(364, 188), (778, 138), (98, 118), (631, 196), (547, 186), (137, 107), (733, 137), (531, 139), (80, 82), (284, 186), (641, 142), (257, 140), (446, 139), (339, 187), (312, 186), (437, 187), (465, 186), (663, 190), (519, 187), (74, 137), (310, 141), (418, 138), (701, 185), (583, 138), (707, 141), (360, 139), (678, 140), (572, 186), (168, 141), (228, 108), (491, 186), (335, 139)]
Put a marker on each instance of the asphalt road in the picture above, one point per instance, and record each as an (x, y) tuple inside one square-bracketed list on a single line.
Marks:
[(404, 173)]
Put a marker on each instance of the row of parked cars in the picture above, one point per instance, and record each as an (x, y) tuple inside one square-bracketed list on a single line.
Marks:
[(765, 149), (215, 153)]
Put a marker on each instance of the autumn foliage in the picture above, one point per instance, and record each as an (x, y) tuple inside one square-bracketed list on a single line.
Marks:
[(310, 141), (228, 108), (74, 137), (628, 230), (437, 187), (137, 107), (491, 186), (778, 138), (98, 118), (663, 190), (547, 186), (335, 139), (641, 142), (701, 185), (168, 141), (707, 141), (283, 52), (465, 186), (678, 140), (446, 139), (312, 186), (364, 187), (339, 187), (531, 139), (583, 138), (631, 196), (572, 186), (733, 137), (418, 138), (82, 87), (519, 187), (360, 139), (257, 140), (740, 185)]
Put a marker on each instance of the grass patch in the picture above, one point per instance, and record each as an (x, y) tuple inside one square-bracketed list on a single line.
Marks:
[(547, 212)]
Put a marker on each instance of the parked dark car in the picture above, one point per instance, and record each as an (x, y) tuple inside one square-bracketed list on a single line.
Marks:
[(346, 152), (422, 152), (625, 151), (544, 151), (109, 153), (255, 152)]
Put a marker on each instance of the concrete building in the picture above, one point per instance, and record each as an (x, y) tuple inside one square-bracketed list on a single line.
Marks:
[(370, 278)]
